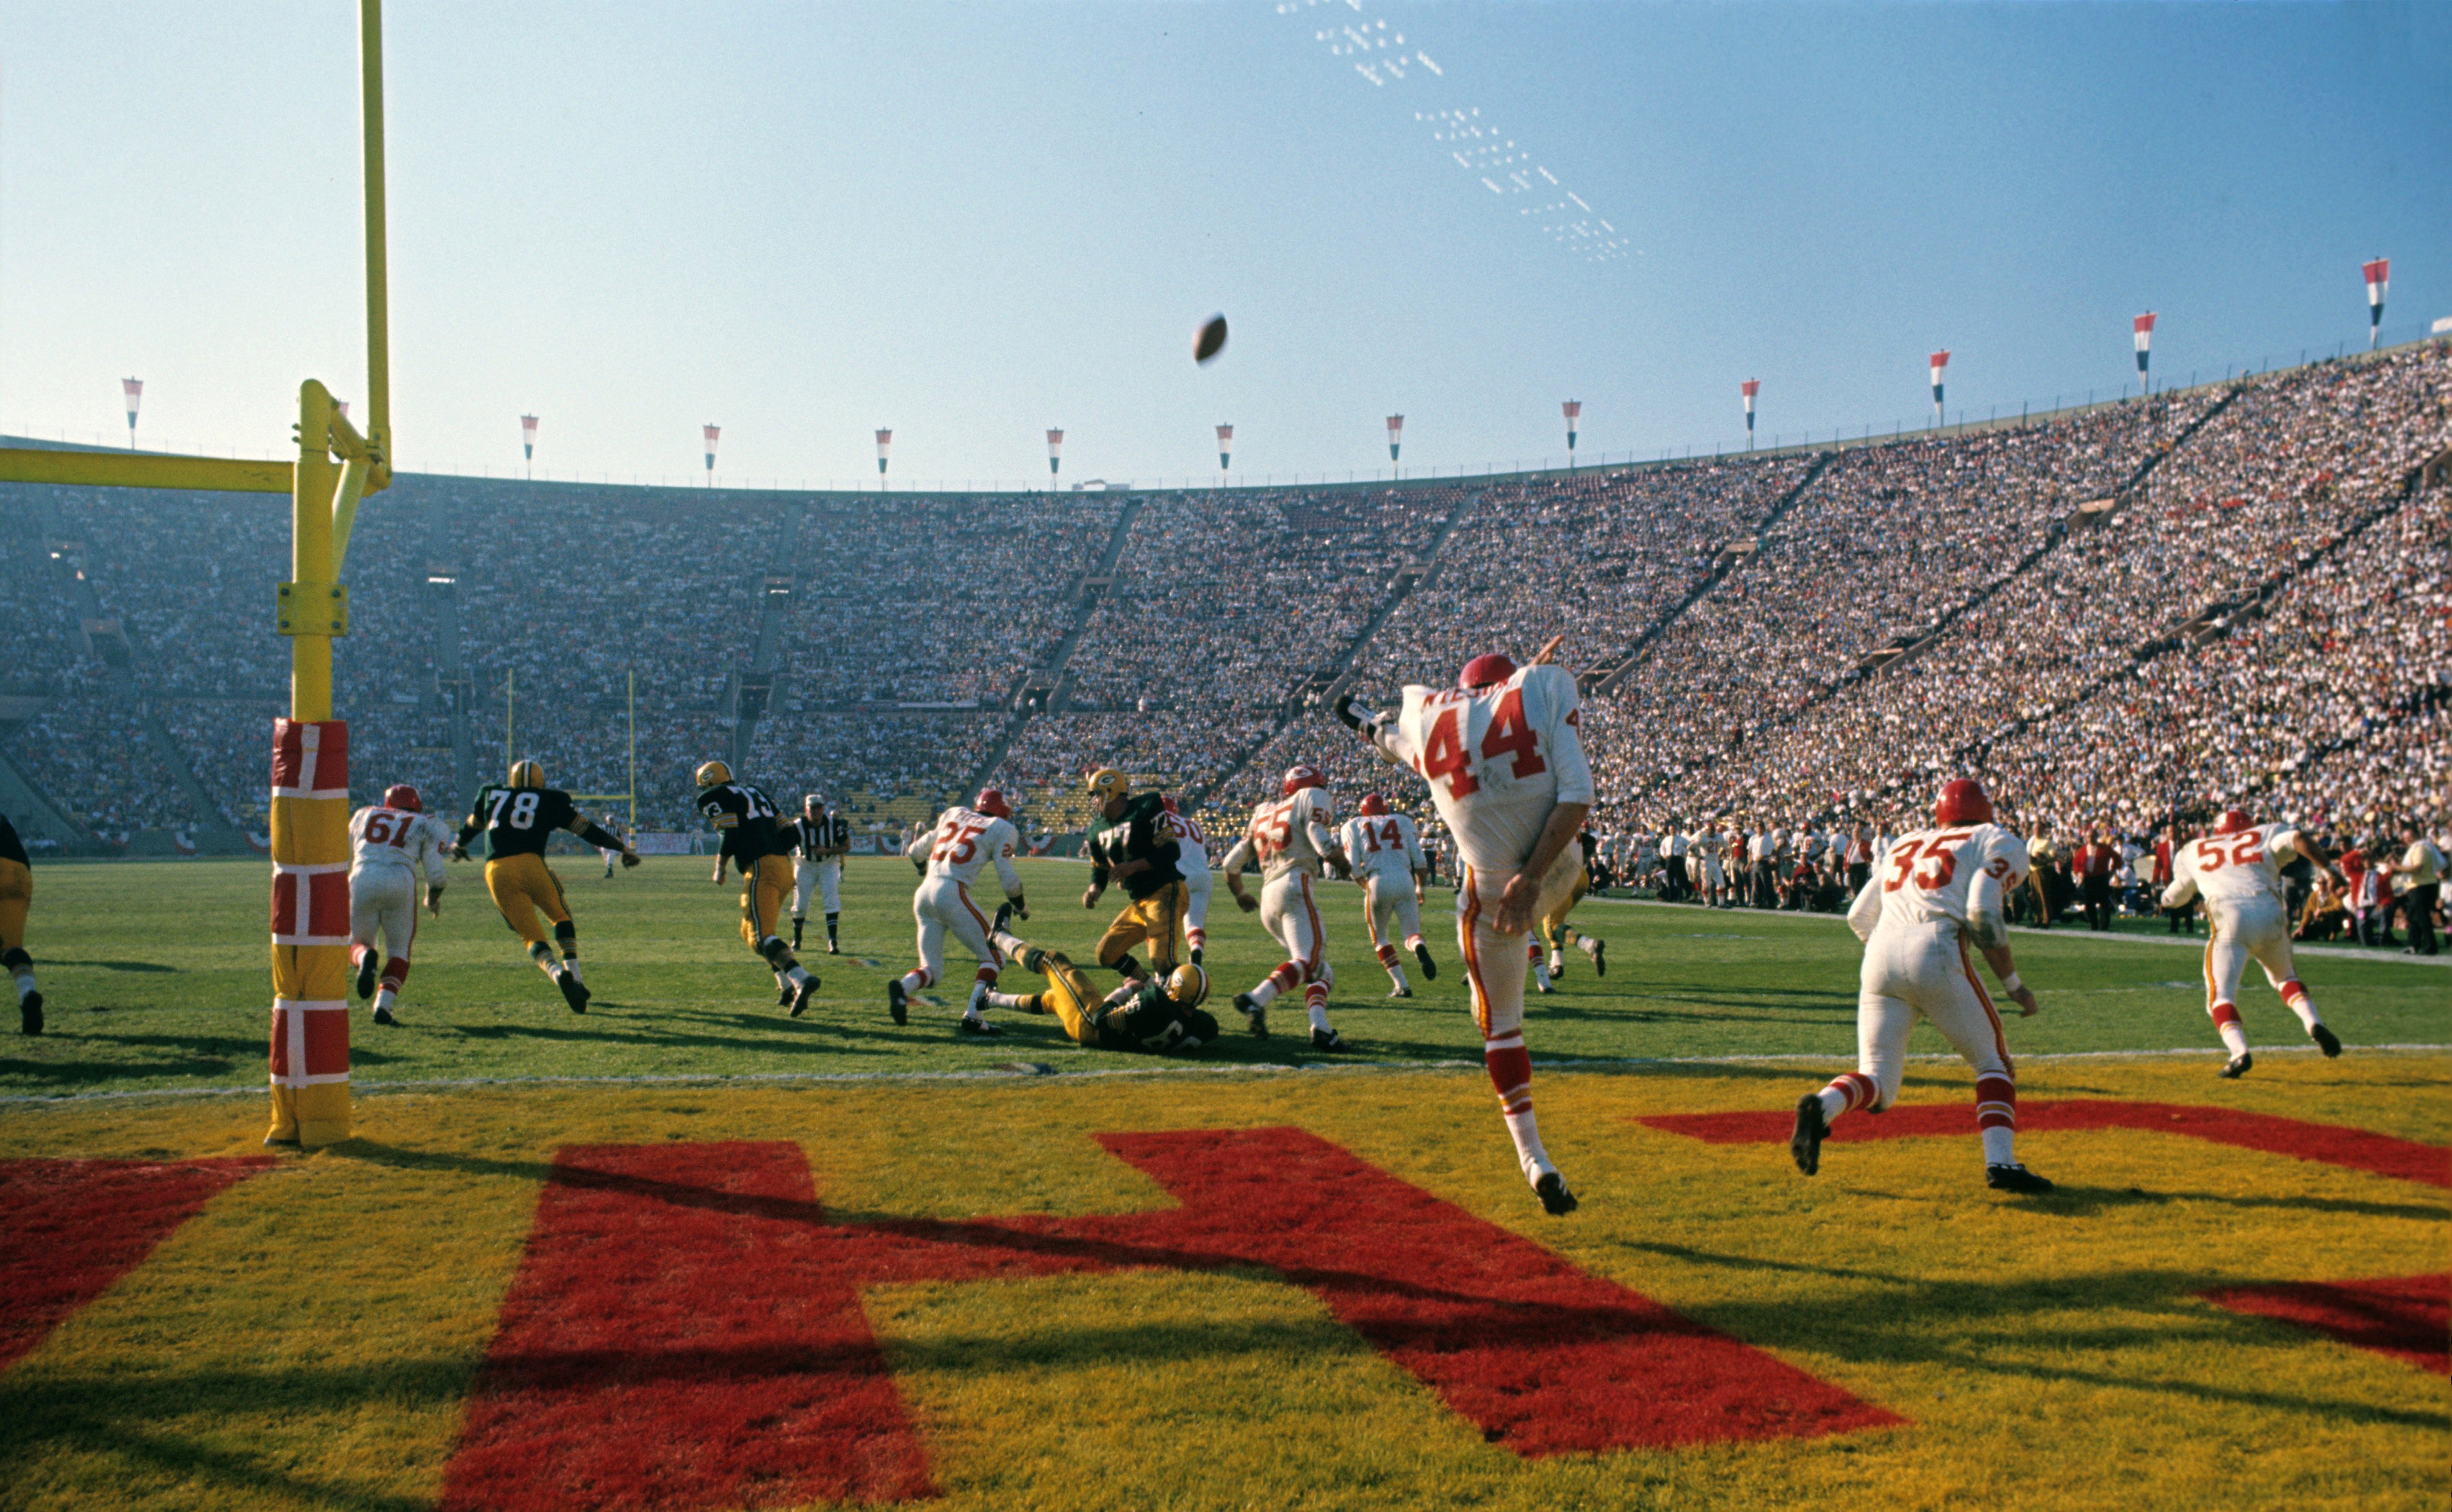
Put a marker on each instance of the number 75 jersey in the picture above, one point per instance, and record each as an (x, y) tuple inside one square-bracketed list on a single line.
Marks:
[(1498, 759), (1929, 877)]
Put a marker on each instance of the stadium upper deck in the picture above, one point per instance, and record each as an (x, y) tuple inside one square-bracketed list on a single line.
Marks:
[(2225, 590)]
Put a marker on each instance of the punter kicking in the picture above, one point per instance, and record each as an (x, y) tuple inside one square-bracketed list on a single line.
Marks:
[(1932, 892)]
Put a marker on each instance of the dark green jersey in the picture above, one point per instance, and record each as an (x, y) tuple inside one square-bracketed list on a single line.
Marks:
[(519, 821), (1140, 835), (11, 849), (744, 815)]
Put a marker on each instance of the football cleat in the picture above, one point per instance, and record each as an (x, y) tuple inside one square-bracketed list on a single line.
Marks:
[(2237, 1066), (574, 991), (977, 1026), (832, 949), (1547, 988), (1004, 915), (1812, 1130), (1430, 968), (1196, 956), (2014, 1178), (366, 975), (1555, 1199), (384, 1015), (1600, 958), (1254, 1015), (897, 1002), (1401, 991), (805, 994), (1558, 966), (2325, 1040), (783, 995), (1328, 1039), (29, 1013)]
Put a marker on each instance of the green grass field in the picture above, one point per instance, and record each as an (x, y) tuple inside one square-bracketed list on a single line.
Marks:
[(157, 976)]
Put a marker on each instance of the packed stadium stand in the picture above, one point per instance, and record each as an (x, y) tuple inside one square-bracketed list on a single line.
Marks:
[(2237, 591)]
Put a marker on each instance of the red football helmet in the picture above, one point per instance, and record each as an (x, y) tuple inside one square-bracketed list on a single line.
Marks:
[(1372, 805), (1963, 801), (1303, 775), (1166, 801), (403, 797), (1486, 671), (991, 802), (2232, 821)]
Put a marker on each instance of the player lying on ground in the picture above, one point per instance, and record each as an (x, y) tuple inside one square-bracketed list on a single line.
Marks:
[(1386, 853), (16, 897), (1192, 861), (745, 817), (1936, 889), (1507, 769), (1130, 842), (948, 858), (517, 819), (1554, 932), (392, 843), (1291, 838), (1152, 1013), (820, 838), (2237, 870)]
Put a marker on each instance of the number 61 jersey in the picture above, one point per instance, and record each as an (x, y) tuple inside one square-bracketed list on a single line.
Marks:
[(1498, 759), (1929, 877)]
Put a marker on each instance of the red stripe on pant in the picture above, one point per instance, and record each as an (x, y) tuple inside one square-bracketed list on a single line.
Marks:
[(1511, 1072), (395, 972), (1858, 1091), (2223, 1013)]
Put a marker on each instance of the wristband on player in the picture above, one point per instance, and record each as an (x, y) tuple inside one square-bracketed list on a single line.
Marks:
[(2012, 984)]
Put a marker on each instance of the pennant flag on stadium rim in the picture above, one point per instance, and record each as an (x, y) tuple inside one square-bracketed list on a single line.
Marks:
[(1750, 386), (2145, 327), (1575, 408), (1225, 446), (712, 432), (527, 436), (884, 440), (2379, 275), (1396, 435), (1940, 361), (1055, 450), (134, 390)]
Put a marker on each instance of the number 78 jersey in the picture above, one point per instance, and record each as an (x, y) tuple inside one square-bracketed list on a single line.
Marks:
[(1498, 759)]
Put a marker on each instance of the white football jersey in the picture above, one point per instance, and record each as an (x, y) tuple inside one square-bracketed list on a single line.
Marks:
[(2233, 868), (1498, 759), (1291, 834), (962, 842), (1928, 876), (384, 838), (1191, 845), (1383, 844)]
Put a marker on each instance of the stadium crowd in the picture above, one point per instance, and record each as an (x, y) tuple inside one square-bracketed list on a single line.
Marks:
[(2230, 592)]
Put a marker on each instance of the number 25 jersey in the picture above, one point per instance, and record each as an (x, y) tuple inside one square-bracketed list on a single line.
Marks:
[(1498, 759), (519, 821), (1929, 877), (965, 841)]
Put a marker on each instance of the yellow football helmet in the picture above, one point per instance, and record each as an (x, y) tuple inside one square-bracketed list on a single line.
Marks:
[(1187, 985), (527, 774), (713, 773), (1107, 783)]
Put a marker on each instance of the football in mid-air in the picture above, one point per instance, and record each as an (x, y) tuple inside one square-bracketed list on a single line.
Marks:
[(1210, 340)]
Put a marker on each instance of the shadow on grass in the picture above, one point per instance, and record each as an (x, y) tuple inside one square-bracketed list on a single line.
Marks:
[(115, 966)]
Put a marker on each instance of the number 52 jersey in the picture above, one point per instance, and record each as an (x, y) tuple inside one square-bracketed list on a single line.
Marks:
[(1498, 759)]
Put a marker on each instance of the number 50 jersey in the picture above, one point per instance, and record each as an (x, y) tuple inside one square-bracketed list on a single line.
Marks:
[(1498, 759), (519, 821)]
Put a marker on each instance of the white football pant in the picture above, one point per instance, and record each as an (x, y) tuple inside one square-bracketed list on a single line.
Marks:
[(942, 906)]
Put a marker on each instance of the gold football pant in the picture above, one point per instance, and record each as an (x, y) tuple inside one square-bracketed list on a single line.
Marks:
[(1069, 995), (16, 896), (1157, 918), (765, 889), (523, 887), (1554, 926)]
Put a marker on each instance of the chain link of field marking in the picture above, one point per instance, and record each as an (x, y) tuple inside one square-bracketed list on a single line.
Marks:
[(998, 1075)]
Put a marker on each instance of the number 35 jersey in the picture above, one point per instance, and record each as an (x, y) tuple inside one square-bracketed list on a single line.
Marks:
[(1498, 759), (1929, 878), (519, 821), (2232, 869)]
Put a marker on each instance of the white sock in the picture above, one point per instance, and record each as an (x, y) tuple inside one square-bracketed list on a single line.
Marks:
[(384, 999), (2234, 1038), (797, 975), (1998, 1146), (1557, 962), (25, 985), (1590, 946), (1397, 974), (1541, 975), (1013, 945), (1412, 942), (979, 993), (2305, 1008), (1833, 1103), (1265, 994), (913, 981), (1319, 1015), (570, 964), (1526, 1130), (550, 968), (1012, 1001)]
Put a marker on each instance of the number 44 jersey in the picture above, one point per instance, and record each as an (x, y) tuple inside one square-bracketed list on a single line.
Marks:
[(1930, 876), (1498, 759)]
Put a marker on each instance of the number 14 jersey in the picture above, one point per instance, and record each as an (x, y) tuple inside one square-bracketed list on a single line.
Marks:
[(1498, 759)]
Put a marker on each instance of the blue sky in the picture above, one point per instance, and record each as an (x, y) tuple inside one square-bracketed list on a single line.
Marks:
[(969, 222)]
